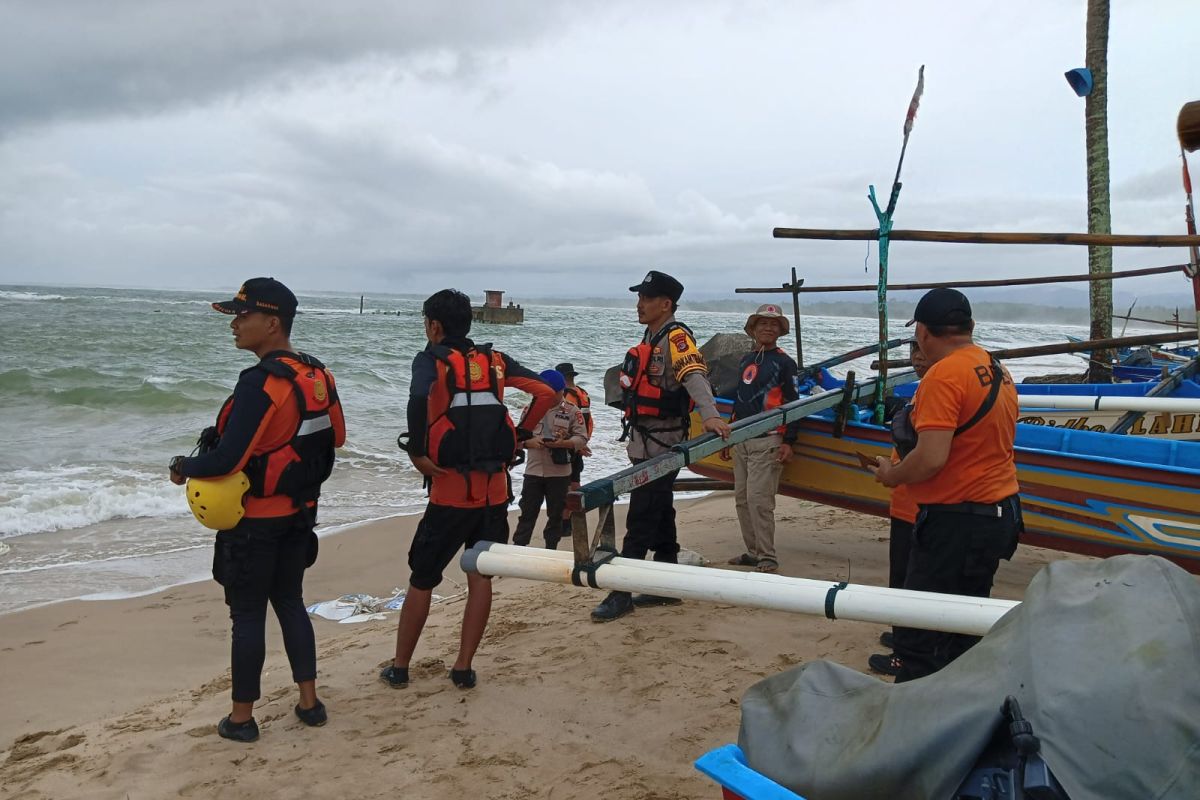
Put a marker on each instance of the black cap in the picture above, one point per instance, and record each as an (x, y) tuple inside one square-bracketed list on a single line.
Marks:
[(261, 294), (659, 284), (566, 368), (942, 307)]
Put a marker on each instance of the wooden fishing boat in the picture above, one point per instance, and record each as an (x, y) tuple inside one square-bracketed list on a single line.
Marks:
[(1145, 357), (1082, 491)]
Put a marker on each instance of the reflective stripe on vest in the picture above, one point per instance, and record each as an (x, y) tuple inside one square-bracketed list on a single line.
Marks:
[(314, 425), (477, 399)]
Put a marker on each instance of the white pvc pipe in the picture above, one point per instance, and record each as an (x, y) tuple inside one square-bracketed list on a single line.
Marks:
[(939, 612), (1177, 405), (766, 581)]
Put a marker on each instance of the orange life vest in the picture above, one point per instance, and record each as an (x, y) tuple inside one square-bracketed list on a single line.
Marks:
[(579, 397), (299, 467), (641, 398), (469, 428)]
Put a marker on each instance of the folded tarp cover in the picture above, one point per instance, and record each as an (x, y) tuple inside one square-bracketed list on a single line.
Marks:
[(1101, 655)]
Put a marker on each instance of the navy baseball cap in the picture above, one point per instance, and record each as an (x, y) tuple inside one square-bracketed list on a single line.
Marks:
[(659, 284), (942, 306), (261, 294)]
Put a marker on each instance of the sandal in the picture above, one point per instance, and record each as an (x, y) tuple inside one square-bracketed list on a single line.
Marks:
[(463, 678), (744, 560), (767, 566), (885, 664)]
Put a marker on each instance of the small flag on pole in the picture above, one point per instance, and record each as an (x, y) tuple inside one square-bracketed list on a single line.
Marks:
[(916, 102)]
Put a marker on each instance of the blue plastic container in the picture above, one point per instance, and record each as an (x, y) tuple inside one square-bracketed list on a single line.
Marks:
[(727, 766)]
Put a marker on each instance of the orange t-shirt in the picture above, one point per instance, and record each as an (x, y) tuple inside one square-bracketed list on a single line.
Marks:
[(902, 506), (980, 467)]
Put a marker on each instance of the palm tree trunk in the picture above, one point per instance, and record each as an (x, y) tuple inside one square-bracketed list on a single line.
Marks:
[(1099, 213)]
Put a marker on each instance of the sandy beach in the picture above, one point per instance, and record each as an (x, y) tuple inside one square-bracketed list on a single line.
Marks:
[(120, 698)]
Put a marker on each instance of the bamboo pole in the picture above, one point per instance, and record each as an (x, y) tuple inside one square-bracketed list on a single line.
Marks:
[(1076, 347), (795, 290), (978, 237), (1129, 273)]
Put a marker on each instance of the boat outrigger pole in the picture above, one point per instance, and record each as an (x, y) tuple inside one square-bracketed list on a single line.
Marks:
[(884, 234)]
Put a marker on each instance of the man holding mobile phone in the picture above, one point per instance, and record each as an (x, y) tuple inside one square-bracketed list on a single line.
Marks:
[(561, 434), (961, 473)]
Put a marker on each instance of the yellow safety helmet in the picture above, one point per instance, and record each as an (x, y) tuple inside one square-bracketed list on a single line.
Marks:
[(217, 502)]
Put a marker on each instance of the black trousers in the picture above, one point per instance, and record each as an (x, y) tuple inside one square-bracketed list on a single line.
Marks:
[(953, 552), (534, 490), (263, 561), (650, 523), (898, 550)]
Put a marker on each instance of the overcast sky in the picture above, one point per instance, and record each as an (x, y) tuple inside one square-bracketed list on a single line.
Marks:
[(564, 148)]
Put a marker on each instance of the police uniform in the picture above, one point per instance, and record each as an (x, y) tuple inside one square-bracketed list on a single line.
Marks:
[(548, 474), (674, 368)]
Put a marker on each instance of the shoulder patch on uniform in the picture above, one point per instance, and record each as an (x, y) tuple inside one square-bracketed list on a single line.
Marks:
[(680, 340)]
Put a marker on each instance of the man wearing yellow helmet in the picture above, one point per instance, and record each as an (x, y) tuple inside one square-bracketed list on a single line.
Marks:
[(272, 447)]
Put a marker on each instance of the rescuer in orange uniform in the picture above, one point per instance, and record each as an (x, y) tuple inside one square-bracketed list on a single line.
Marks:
[(280, 428)]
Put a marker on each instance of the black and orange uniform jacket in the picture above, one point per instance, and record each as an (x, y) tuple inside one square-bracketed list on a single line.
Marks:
[(489, 372), (768, 380), (279, 426)]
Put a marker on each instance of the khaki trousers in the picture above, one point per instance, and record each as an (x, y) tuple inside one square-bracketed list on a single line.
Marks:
[(756, 480)]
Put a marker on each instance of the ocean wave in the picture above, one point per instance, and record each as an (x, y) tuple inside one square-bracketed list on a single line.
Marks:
[(62, 498), (106, 559), (34, 296), (81, 386)]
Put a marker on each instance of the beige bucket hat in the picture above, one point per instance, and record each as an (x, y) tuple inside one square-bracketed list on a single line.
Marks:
[(768, 311)]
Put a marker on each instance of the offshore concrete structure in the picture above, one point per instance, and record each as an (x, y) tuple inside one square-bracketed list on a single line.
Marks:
[(493, 309)]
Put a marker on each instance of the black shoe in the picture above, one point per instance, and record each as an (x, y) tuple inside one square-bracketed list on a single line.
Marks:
[(313, 717), (744, 560), (395, 677), (887, 640), (885, 664), (463, 678), (616, 605), (238, 731), (646, 600)]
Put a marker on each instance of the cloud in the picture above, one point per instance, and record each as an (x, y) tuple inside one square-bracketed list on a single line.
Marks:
[(76, 59)]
